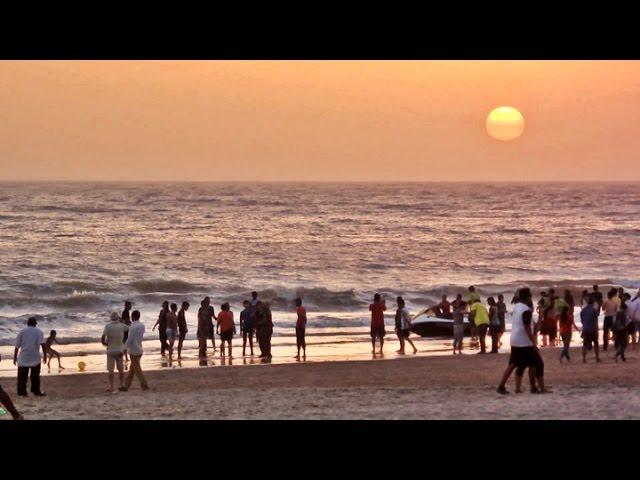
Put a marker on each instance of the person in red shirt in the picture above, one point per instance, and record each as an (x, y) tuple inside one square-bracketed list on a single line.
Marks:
[(377, 309), (226, 327), (301, 325)]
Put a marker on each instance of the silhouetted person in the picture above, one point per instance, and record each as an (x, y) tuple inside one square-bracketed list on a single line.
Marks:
[(301, 326), (50, 351), (182, 327), (125, 318), (203, 327), (172, 328), (161, 323), (247, 325), (589, 319), (27, 357), (264, 329), (377, 309), (254, 299)]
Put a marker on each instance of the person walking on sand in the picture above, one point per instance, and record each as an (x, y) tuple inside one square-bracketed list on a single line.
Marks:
[(480, 316), (5, 400), (172, 329), (377, 309), (524, 351), (610, 307), (161, 323), (567, 325), (301, 326), (620, 328), (589, 319), (134, 346), (113, 339), (182, 327), (459, 309), (225, 327), (50, 351), (125, 318), (247, 326), (405, 326)]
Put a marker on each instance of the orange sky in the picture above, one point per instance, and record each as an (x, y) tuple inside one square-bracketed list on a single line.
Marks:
[(317, 120)]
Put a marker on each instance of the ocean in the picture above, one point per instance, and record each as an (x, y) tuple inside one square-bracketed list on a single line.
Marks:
[(73, 252)]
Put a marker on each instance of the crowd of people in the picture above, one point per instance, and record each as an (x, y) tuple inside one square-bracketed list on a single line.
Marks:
[(123, 335)]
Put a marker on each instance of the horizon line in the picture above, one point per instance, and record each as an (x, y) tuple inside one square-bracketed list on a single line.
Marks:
[(3, 181)]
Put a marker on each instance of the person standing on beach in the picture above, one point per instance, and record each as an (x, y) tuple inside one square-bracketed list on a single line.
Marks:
[(377, 309), (26, 356), (161, 323), (254, 299), (113, 339), (610, 307), (5, 400), (549, 327), (480, 316), (182, 327), (633, 312), (494, 324), (264, 329), (524, 351), (405, 326), (125, 318), (620, 328), (247, 326), (566, 329), (471, 299), (225, 327), (502, 314), (203, 328), (597, 296), (172, 329), (589, 319), (134, 346), (301, 327), (211, 316), (459, 309)]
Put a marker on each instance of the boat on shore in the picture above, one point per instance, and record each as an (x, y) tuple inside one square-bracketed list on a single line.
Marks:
[(426, 324)]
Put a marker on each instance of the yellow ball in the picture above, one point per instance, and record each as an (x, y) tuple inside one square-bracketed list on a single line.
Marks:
[(81, 366)]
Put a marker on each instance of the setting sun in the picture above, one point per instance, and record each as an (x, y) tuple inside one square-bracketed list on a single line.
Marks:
[(505, 123)]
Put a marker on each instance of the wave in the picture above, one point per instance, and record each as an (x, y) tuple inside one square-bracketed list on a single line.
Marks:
[(167, 286)]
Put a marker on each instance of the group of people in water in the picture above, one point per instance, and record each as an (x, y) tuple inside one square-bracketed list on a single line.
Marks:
[(123, 335)]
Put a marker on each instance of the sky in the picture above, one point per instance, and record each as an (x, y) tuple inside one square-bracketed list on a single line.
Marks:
[(317, 120)]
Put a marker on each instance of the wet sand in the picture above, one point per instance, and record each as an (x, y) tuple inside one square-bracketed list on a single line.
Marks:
[(436, 387)]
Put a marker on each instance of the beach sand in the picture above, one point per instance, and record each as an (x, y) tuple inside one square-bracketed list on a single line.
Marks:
[(437, 387)]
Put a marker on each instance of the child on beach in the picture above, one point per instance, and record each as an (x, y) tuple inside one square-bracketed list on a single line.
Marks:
[(226, 327), (50, 351), (404, 327), (301, 325), (377, 309), (247, 326)]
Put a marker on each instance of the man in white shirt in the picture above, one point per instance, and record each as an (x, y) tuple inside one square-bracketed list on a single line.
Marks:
[(27, 356), (134, 347), (633, 313), (112, 338), (524, 352)]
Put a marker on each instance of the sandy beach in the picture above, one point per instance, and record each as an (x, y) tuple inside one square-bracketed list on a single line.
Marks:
[(438, 387)]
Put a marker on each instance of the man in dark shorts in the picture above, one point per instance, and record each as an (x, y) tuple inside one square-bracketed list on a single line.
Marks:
[(377, 309), (5, 399), (182, 327), (524, 352), (589, 318)]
